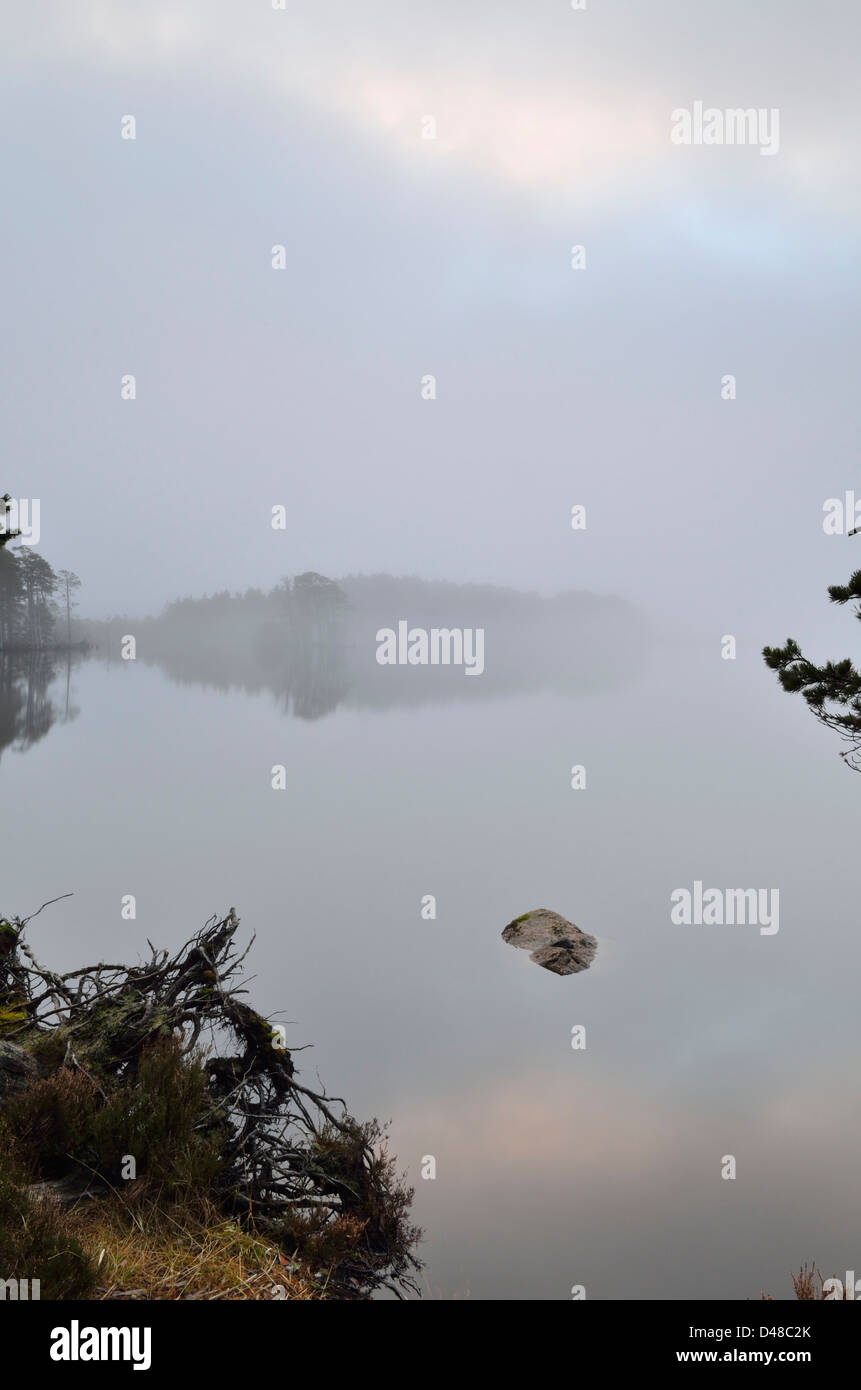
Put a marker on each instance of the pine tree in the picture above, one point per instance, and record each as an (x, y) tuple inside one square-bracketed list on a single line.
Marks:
[(28, 586), (832, 691), (40, 584), (68, 582)]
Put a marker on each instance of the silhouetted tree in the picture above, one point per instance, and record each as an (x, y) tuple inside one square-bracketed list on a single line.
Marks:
[(40, 584), (11, 599), (832, 691), (28, 585), (68, 582)]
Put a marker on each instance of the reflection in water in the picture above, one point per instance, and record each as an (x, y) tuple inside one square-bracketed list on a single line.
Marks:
[(29, 702), (310, 678), (438, 1023), (313, 644)]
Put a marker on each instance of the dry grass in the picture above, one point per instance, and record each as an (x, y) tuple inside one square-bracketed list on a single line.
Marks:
[(808, 1284), (804, 1283), (143, 1251)]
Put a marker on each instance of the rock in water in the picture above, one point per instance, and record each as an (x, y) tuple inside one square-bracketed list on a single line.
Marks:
[(554, 943)]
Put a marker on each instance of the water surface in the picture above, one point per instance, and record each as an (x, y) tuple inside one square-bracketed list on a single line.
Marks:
[(555, 1167)]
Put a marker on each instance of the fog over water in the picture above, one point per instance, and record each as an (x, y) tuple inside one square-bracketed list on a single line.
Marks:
[(301, 388), (555, 1167)]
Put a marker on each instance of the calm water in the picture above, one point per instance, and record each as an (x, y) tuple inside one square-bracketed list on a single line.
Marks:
[(554, 1167)]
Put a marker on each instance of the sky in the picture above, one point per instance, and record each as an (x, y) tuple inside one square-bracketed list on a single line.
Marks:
[(406, 256)]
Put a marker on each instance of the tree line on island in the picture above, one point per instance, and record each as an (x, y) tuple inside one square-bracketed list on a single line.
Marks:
[(312, 641)]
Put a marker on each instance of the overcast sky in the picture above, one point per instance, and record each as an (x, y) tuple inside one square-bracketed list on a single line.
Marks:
[(407, 256)]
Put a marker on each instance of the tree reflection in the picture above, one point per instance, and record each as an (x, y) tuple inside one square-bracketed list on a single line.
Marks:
[(29, 703)]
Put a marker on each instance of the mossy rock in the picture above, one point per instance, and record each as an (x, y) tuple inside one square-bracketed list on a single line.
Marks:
[(553, 942), (17, 1069)]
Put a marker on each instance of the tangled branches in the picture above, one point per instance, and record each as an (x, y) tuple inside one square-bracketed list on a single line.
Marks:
[(291, 1161)]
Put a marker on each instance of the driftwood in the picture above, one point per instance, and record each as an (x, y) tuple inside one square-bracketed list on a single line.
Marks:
[(286, 1148)]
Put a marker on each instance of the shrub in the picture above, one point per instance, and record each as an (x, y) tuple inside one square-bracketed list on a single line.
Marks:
[(160, 1119), (52, 1118), (35, 1245), (165, 1121)]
